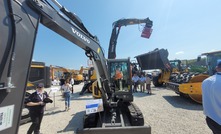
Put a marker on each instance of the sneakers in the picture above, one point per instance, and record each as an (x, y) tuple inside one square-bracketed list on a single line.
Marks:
[(67, 108)]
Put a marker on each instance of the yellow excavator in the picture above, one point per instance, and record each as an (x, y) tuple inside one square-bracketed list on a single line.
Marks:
[(90, 82), (20, 19)]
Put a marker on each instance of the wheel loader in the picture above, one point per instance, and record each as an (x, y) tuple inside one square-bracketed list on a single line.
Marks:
[(20, 19), (184, 83), (157, 59)]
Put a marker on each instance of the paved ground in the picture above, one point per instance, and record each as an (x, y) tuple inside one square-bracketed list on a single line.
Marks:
[(164, 111)]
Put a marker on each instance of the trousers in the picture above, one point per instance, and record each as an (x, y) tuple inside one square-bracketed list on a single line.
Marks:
[(36, 119)]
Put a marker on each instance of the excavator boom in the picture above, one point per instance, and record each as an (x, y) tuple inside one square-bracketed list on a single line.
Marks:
[(116, 30)]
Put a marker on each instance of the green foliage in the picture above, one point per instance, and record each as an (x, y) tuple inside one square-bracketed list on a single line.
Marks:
[(199, 69)]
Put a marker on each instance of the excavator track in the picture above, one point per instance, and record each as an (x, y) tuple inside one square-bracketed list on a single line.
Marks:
[(136, 116)]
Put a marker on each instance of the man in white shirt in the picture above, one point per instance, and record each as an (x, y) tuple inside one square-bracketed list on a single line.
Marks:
[(211, 93), (72, 84), (135, 80), (142, 83)]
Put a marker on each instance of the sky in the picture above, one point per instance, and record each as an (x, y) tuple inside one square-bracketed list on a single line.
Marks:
[(186, 28)]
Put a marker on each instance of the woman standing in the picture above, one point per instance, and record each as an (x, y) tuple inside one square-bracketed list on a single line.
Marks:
[(148, 83), (67, 88)]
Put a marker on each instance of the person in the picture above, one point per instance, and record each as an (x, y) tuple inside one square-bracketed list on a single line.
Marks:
[(118, 77), (36, 105), (211, 92), (118, 74), (62, 81), (148, 83), (135, 80), (142, 82), (67, 88), (72, 85)]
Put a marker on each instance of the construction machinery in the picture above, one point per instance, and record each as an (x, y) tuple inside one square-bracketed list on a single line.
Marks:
[(90, 78), (77, 75), (39, 73), (116, 27), (57, 72), (183, 82), (189, 84), (20, 19), (157, 59)]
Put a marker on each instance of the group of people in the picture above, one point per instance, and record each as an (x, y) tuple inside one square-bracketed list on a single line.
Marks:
[(144, 81), (211, 92)]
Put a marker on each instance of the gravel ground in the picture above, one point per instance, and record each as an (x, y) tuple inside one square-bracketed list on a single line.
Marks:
[(164, 111)]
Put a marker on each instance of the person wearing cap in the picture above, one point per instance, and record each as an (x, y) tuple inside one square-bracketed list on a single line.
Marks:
[(36, 105), (211, 95)]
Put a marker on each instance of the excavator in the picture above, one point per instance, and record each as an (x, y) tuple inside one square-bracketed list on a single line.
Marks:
[(116, 27), (20, 19)]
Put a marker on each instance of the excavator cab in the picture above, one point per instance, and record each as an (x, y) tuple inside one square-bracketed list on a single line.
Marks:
[(120, 78)]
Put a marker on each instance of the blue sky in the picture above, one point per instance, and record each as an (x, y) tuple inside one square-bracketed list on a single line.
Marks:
[(185, 28)]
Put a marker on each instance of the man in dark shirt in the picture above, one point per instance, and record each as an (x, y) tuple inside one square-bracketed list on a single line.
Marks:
[(36, 105)]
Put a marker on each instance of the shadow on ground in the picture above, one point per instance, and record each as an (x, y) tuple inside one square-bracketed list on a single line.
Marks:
[(75, 123), (183, 102)]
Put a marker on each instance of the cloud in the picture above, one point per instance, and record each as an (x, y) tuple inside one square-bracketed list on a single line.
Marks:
[(180, 52)]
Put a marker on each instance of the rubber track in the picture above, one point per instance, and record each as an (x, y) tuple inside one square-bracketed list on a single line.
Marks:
[(136, 116)]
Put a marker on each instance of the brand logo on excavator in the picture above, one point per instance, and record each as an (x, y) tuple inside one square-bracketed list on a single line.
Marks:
[(80, 35)]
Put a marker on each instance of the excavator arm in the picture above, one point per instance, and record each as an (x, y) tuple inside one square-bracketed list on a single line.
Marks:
[(20, 19), (116, 30), (74, 31)]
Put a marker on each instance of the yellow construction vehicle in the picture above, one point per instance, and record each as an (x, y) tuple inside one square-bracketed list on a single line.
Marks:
[(90, 78), (157, 59), (78, 75), (57, 72), (39, 73), (183, 82), (190, 84)]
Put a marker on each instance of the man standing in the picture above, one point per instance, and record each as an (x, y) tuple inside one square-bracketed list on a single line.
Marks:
[(135, 80), (148, 83), (142, 82), (72, 84), (211, 93), (36, 108)]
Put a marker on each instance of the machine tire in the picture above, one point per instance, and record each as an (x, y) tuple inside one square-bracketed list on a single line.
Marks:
[(156, 81)]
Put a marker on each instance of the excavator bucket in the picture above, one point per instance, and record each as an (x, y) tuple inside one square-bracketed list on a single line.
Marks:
[(156, 59)]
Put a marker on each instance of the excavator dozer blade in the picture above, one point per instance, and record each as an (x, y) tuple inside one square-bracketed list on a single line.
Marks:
[(156, 59), (117, 130)]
